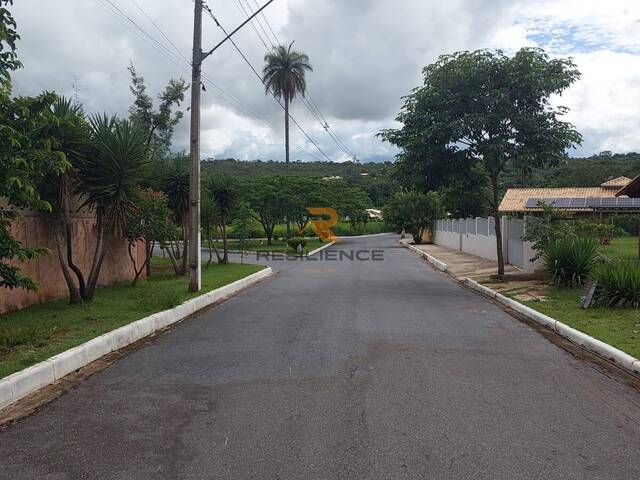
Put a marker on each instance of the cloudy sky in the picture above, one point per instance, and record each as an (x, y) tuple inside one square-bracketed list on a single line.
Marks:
[(366, 55)]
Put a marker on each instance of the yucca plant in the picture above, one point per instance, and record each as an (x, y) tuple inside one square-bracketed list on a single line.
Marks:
[(571, 260), (108, 179), (618, 284)]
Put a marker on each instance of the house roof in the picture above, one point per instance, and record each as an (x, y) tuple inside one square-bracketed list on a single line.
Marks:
[(618, 182), (632, 189), (515, 200)]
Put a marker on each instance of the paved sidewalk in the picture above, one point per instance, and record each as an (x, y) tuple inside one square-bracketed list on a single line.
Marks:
[(462, 265)]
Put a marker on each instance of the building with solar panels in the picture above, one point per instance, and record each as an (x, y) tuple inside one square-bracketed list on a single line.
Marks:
[(616, 196)]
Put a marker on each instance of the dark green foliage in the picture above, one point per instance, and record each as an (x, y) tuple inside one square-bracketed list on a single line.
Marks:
[(618, 284), (571, 260), (414, 212), (224, 191), (27, 155), (297, 243), (629, 223), (242, 228), (489, 112), (159, 125), (149, 222)]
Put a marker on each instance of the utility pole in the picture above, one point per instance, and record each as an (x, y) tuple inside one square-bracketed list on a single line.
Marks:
[(195, 269)]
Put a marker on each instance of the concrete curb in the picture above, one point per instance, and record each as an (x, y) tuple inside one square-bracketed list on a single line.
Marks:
[(369, 235), (20, 384), (623, 360), (318, 250), (440, 265)]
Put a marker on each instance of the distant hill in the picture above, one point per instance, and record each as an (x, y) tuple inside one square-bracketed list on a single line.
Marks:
[(580, 172), (346, 170)]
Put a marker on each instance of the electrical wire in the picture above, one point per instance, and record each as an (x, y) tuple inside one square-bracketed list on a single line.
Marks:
[(244, 57)]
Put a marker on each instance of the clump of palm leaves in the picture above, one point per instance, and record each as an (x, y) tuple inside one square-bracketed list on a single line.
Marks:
[(571, 260), (618, 284)]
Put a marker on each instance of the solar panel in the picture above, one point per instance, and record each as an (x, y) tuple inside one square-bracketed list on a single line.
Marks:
[(625, 202), (533, 202), (578, 203), (563, 202), (609, 202), (593, 202)]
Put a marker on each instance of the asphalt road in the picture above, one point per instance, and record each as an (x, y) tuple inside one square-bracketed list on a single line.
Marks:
[(340, 370)]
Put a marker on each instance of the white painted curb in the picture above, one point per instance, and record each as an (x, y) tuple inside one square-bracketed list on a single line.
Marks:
[(440, 265), (20, 384), (368, 236), (318, 250), (623, 360)]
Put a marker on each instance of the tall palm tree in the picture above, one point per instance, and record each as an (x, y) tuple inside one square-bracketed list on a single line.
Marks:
[(284, 76), (223, 191)]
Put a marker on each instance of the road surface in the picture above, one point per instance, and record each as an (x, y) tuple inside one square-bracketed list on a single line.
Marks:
[(340, 370)]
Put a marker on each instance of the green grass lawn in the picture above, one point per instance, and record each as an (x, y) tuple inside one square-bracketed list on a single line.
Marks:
[(621, 247), (620, 328), (278, 246), (42, 331)]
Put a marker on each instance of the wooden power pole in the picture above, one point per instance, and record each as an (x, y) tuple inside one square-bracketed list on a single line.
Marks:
[(195, 269)]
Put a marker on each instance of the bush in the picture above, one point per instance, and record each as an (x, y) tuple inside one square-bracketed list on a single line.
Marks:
[(415, 212), (295, 242), (629, 223), (571, 260), (602, 231), (618, 284)]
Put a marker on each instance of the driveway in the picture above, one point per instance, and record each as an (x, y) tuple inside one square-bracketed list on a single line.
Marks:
[(340, 370)]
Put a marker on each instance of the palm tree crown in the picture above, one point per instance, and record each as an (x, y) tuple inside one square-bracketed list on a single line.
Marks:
[(284, 72)]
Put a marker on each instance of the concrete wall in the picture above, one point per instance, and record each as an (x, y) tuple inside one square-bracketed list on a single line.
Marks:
[(477, 237), (34, 230)]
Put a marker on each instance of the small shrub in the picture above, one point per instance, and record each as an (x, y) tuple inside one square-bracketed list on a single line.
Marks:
[(295, 242), (618, 284), (571, 260)]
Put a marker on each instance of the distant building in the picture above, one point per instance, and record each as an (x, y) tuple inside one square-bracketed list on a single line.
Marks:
[(618, 195)]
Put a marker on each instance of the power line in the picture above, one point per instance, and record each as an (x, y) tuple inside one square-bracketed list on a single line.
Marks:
[(206, 7), (257, 18), (240, 6), (309, 103), (226, 97), (268, 24), (161, 31), (182, 62)]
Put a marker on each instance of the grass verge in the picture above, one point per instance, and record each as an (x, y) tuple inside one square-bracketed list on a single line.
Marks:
[(621, 247), (42, 331), (619, 328)]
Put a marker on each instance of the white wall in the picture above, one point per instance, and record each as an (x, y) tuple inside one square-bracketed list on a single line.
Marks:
[(483, 246)]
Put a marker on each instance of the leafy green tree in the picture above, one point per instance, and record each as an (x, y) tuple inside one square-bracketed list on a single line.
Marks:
[(414, 212), (68, 130), (27, 156), (225, 193), (149, 222), (159, 124), (108, 179), (210, 221), (242, 228), (486, 110), (284, 75), (269, 201), (173, 179)]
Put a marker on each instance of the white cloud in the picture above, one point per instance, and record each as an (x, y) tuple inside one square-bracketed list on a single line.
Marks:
[(366, 55)]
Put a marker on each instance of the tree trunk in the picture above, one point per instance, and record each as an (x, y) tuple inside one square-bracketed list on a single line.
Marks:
[(96, 265), (150, 248), (74, 292), (498, 226), (184, 256), (137, 271), (225, 258), (169, 250), (68, 231), (286, 152)]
